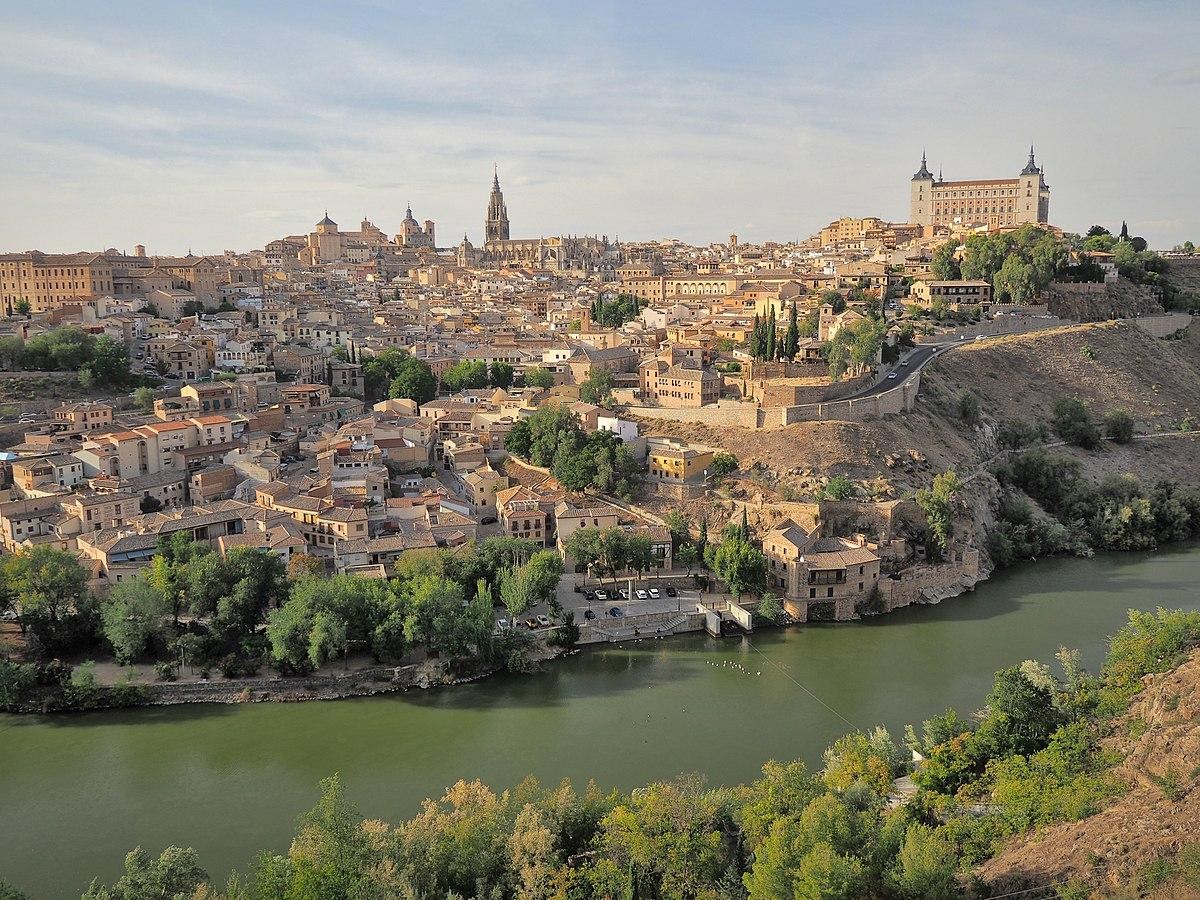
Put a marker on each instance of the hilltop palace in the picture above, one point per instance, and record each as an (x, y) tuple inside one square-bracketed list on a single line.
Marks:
[(998, 202)]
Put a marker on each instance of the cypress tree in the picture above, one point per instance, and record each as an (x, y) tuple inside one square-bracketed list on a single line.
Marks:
[(756, 339), (791, 343), (745, 525), (771, 335)]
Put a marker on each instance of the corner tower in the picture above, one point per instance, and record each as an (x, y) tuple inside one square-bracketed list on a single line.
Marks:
[(920, 207)]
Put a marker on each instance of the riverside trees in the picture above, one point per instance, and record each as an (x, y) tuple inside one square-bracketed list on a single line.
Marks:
[(1031, 757)]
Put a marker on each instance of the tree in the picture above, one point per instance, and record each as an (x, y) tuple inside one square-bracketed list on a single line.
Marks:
[(1073, 423), (133, 614), (49, 587), (739, 564), (968, 408), (597, 388), (680, 528), (175, 872), (926, 864), (944, 266), (791, 340), (539, 378), (109, 363), (772, 335), (12, 353), (1118, 425), (770, 609), (501, 374), (143, 399), (465, 375), (937, 504), (22, 307), (149, 504), (723, 464), (686, 557), (413, 380), (839, 487)]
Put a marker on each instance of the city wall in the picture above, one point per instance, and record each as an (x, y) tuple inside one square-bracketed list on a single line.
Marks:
[(899, 399)]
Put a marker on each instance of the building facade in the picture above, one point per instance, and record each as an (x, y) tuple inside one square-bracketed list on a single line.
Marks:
[(995, 202)]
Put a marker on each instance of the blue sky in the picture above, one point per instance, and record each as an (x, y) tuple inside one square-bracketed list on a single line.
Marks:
[(224, 125)]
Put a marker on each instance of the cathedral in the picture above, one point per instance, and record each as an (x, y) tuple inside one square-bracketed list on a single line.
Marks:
[(583, 255)]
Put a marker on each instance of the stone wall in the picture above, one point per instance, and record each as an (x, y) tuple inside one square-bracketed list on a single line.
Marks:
[(898, 400), (377, 679), (930, 583), (1164, 325), (724, 413)]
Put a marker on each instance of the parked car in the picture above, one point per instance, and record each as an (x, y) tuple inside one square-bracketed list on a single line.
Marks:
[(602, 594), (671, 592), (589, 614), (589, 596), (654, 594), (615, 612), (543, 621), (641, 595), (624, 593)]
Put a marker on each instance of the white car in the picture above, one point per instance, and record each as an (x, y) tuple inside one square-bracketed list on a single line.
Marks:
[(543, 621), (654, 593), (641, 595), (891, 375), (502, 624)]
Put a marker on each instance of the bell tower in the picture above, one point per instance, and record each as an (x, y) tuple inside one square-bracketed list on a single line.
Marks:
[(495, 226)]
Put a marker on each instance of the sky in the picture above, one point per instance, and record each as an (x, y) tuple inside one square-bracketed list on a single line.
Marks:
[(224, 125)]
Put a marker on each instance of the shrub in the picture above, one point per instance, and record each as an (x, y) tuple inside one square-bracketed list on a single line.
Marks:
[(165, 671), (1118, 425), (1073, 423)]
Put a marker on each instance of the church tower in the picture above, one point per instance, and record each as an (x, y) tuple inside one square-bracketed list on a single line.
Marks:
[(495, 226)]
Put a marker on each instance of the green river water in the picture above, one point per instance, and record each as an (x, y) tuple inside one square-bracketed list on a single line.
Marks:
[(77, 792)]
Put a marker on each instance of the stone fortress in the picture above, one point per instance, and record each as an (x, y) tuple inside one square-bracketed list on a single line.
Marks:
[(995, 202)]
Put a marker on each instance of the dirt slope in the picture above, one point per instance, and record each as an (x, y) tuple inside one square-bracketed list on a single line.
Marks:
[(1159, 814)]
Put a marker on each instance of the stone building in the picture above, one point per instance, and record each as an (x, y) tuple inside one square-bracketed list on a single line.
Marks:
[(995, 202)]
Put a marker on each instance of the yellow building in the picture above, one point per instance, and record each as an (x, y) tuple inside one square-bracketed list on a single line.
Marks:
[(48, 281), (677, 462), (995, 202)]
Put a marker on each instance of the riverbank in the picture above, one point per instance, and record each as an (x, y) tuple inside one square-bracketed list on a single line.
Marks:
[(230, 778)]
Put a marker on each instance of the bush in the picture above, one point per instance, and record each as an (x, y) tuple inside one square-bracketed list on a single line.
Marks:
[(968, 408), (1118, 425), (165, 671), (1073, 423)]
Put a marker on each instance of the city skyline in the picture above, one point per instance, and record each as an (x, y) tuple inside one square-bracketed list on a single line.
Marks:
[(640, 123)]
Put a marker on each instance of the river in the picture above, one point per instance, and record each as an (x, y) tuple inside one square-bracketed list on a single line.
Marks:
[(77, 792)]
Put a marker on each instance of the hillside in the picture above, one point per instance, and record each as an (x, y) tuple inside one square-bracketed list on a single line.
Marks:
[(1159, 736)]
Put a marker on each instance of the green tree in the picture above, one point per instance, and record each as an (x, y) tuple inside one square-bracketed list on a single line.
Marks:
[(597, 388), (686, 557), (465, 375), (938, 505), (926, 864), (143, 399), (49, 587), (133, 614), (839, 487), (944, 266), (501, 374), (109, 362), (175, 872), (723, 464), (770, 609), (791, 340), (1118, 425), (739, 564), (1073, 423), (539, 378), (413, 380)]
